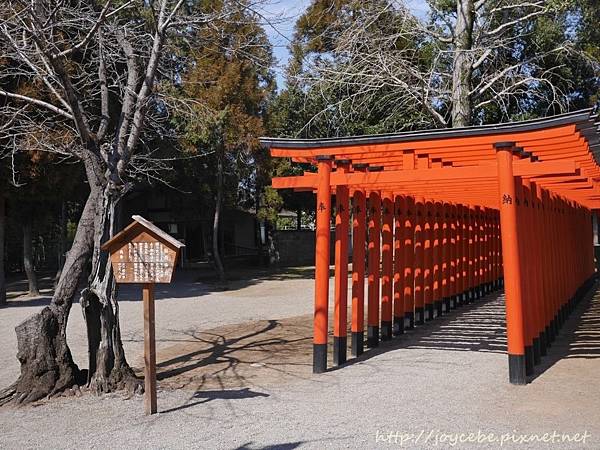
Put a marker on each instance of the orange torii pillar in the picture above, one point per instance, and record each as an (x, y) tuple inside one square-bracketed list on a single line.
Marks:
[(374, 269), (572, 257), (398, 327), (549, 288), (478, 253), (492, 249), (524, 254), (557, 233), (564, 256), (585, 254), (418, 263), (387, 259), (340, 312), (482, 255), (562, 271), (512, 263), (472, 277), (487, 255), (498, 255), (492, 238), (574, 279), (359, 217), (408, 244), (562, 282), (445, 218), (562, 251), (452, 263), (538, 270), (554, 237), (428, 260), (464, 213), (437, 258), (459, 256), (531, 268), (323, 211)]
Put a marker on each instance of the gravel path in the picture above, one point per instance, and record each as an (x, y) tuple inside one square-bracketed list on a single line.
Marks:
[(447, 377)]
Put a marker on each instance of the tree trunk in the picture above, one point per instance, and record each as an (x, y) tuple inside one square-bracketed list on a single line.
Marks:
[(47, 366), (462, 70), (2, 278), (216, 220), (28, 264), (205, 243), (62, 241), (108, 369)]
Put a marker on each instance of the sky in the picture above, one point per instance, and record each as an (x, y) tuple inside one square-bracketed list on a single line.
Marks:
[(281, 15)]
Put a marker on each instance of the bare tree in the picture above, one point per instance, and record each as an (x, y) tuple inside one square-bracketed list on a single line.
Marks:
[(98, 70), (447, 68)]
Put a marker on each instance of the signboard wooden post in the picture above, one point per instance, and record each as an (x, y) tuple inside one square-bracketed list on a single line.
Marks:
[(144, 254)]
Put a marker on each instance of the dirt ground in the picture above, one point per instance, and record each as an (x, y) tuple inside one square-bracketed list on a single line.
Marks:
[(265, 353)]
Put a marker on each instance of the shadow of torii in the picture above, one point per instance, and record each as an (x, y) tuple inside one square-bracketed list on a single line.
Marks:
[(481, 327)]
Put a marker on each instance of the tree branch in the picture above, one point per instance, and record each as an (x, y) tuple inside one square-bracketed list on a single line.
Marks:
[(88, 36), (167, 22), (128, 106), (35, 101), (36, 69), (103, 127), (506, 25), (145, 90), (482, 58)]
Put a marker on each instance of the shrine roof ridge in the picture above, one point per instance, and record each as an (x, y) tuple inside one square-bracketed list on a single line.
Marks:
[(583, 118)]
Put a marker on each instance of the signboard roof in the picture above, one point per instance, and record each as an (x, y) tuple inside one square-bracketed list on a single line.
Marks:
[(139, 225)]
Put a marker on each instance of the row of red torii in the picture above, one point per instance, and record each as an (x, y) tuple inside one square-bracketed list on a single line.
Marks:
[(425, 258), (525, 226)]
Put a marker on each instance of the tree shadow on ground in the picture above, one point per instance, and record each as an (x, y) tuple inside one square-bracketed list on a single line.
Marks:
[(235, 355), (219, 349), (223, 359), (322, 442), (207, 396), (286, 446), (17, 291), (27, 301)]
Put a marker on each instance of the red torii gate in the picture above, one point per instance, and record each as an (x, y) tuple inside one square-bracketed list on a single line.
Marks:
[(450, 215)]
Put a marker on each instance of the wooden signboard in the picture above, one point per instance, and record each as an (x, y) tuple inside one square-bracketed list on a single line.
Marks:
[(143, 253)]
